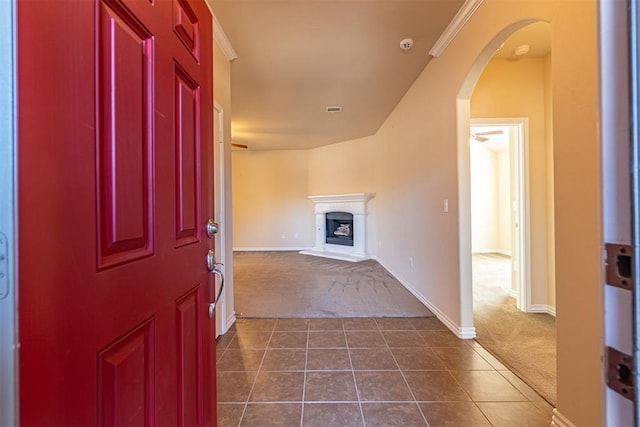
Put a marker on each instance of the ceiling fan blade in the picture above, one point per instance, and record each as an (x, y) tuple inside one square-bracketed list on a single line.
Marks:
[(490, 132), (233, 144), (480, 138)]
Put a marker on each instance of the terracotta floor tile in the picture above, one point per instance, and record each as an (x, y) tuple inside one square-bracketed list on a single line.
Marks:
[(326, 325), (403, 339), (417, 359), (442, 339), (284, 359), (250, 340), (272, 414), (330, 386), (240, 360), (453, 414), (288, 340), (427, 323), (392, 415), (234, 386), (382, 386), (327, 339), (328, 359), (507, 414), (278, 387), (485, 386), (462, 359), (372, 359), (292, 325), (435, 386), (255, 325), (332, 414), (394, 324), (365, 339), (229, 414), (359, 324)]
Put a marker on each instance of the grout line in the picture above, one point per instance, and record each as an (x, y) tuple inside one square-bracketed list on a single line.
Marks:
[(304, 377), (246, 404), (353, 374), (415, 400)]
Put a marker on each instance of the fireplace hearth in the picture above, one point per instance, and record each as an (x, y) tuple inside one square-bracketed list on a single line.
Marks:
[(341, 226)]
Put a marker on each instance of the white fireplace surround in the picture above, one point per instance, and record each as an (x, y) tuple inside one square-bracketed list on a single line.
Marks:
[(355, 204)]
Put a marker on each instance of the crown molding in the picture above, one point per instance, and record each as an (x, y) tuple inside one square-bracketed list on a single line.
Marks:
[(223, 42), (464, 14)]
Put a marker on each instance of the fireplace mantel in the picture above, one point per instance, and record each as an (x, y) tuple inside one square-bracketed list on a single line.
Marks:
[(355, 204)]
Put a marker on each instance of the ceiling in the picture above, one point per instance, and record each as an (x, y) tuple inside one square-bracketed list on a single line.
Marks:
[(298, 57)]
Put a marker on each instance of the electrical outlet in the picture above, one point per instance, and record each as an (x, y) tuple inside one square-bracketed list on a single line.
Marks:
[(282, 235), (446, 205), (411, 262), (297, 235)]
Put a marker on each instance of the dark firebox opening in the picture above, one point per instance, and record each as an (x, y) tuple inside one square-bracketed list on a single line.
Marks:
[(339, 228)]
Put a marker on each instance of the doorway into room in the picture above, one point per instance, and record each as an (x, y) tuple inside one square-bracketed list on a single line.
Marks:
[(498, 221)]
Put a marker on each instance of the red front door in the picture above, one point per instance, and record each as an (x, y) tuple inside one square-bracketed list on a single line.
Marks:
[(115, 187)]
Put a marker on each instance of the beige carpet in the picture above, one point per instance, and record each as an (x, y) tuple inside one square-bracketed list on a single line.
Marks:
[(288, 284), (524, 342)]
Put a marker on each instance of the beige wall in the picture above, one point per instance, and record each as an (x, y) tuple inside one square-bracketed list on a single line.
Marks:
[(416, 156), (270, 190), (509, 88)]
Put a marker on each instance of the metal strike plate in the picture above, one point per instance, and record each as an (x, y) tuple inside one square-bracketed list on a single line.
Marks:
[(619, 262), (4, 266), (620, 373)]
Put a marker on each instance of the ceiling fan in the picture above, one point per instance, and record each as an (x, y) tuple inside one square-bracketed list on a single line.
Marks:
[(480, 136)]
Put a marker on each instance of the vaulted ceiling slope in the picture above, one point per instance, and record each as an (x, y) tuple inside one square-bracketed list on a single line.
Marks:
[(298, 57)]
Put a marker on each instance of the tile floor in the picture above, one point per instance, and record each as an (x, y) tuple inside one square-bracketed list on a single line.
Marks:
[(365, 372)]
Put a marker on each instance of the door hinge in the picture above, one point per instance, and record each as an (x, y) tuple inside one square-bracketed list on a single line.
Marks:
[(620, 373), (4, 266), (618, 264)]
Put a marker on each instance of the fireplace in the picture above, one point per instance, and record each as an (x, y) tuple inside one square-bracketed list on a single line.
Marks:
[(341, 226)]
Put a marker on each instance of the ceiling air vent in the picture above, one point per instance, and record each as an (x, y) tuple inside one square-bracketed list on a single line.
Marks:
[(334, 109)]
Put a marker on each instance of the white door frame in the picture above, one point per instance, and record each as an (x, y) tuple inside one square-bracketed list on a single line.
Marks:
[(219, 211), (8, 217), (519, 162)]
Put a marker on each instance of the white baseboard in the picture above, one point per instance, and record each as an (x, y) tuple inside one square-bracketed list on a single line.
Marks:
[(492, 251), (559, 420), (464, 333), (512, 293), (270, 248), (543, 308)]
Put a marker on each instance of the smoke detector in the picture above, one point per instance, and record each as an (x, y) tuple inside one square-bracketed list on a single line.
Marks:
[(522, 50), (406, 44)]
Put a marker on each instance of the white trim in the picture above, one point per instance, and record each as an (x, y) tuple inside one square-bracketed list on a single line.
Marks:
[(492, 251), (543, 308), (343, 198), (464, 14), (269, 248), (230, 322), (522, 253), (223, 42), (559, 420), (460, 332), (9, 396), (219, 215)]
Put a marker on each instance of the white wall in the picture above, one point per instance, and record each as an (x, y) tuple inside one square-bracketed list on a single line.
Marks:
[(484, 198), (270, 190)]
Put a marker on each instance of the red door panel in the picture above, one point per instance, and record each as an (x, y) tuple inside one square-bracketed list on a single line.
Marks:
[(115, 124)]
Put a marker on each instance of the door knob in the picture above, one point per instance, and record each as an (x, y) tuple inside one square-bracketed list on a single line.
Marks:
[(212, 228)]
